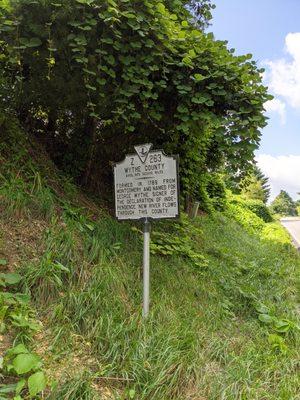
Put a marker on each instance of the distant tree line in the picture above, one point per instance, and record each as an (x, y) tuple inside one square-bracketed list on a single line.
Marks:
[(284, 205)]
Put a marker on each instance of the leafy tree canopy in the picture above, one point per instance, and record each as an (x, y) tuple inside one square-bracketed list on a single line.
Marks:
[(255, 186), (201, 12), (284, 204), (96, 77)]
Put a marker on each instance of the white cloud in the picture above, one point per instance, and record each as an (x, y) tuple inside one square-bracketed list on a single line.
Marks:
[(276, 106), (283, 173), (283, 75)]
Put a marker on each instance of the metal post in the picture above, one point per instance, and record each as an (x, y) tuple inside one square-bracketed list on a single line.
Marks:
[(195, 209), (146, 268)]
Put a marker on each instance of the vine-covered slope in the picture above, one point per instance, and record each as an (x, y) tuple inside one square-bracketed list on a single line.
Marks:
[(223, 321)]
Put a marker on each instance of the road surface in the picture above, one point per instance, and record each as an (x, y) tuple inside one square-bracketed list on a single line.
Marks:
[(292, 224)]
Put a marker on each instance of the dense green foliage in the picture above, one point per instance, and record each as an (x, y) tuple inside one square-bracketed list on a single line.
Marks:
[(201, 11), (89, 79), (216, 191), (96, 77), (244, 216), (276, 233), (255, 186), (223, 320), (255, 206), (283, 204), (260, 209), (264, 180), (297, 202)]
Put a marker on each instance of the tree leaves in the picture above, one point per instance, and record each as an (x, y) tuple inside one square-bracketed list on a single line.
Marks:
[(137, 66), (161, 8), (199, 77), (30, 42)]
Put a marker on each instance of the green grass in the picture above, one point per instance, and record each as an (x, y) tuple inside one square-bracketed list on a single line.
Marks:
[(203, 336), (224, 301), (79, 387)]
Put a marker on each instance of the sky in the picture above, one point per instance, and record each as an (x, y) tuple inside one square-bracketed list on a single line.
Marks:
[(270, 30)]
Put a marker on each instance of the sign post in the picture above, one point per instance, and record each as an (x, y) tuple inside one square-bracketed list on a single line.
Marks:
[(146, 189), (146, 268)]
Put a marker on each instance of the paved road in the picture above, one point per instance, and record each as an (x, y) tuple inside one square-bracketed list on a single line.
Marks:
[(293, 226)]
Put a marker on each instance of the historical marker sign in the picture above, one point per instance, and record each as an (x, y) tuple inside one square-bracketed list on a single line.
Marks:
[(146, 185)]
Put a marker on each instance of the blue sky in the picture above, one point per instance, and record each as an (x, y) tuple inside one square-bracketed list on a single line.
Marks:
[(270, 30)]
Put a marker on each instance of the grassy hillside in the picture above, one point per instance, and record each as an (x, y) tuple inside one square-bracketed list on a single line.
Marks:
[(224, 296)]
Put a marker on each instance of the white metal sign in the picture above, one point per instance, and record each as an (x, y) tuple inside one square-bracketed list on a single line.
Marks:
[(146, 185)]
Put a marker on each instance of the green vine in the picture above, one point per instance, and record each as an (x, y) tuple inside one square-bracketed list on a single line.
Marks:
[(21, 368), (178, 242), (142, 71)]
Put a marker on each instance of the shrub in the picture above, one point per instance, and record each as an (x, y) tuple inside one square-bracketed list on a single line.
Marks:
[(211, 193), (256, 206), (216, 191), (275, 233), (259, 208), (243, 215)]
